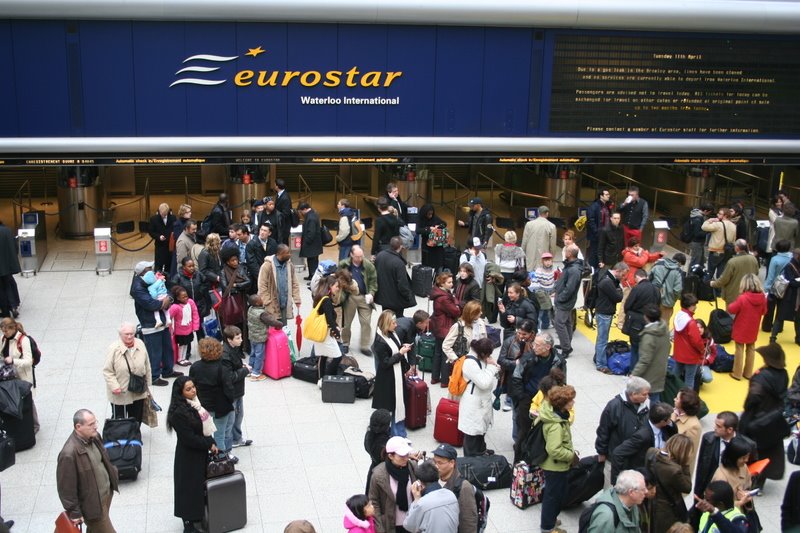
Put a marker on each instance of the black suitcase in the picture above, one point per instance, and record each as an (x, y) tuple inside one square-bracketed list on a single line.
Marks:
[(696, 285), (720, 324), (7, 451), (305, 369), (364, 381), (338, 389), (487, 472), (226, 503), (422, 280), (122, 439), (584, 480), (21, 430), (452, 259)]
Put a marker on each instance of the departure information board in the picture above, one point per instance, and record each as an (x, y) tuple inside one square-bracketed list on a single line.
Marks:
[(690, 86)]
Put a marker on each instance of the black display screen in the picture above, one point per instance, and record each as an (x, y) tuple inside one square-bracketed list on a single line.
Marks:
[(627, 85)]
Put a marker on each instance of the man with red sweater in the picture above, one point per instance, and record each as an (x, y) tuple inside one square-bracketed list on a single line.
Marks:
[(689, 345)]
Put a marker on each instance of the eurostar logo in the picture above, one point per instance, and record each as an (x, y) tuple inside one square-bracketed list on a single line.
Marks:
[(206, 64)]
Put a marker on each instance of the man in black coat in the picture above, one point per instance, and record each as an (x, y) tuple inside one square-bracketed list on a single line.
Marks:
[(480, 221), (394, 283), (220, 218), (408, 328), (641, 295), (9, 265), (257, 248), (609, 294), (311, 241), (712, 445), (393, 199), (161, 230), (630, 454), (597, 219), (283, 205), (611, 242), (622, 416)]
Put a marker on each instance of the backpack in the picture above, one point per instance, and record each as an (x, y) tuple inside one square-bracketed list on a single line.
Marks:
[(534, 447), (687, 232), (458, 385), (586, 516), (481, 502), (407, 236), (37, 354), (205, 225)]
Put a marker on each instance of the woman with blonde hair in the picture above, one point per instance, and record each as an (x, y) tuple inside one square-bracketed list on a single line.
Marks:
[(391, 366), (469, 326), (184, 215), (508, 256), (209, 261), (748, 308), (671, 467)]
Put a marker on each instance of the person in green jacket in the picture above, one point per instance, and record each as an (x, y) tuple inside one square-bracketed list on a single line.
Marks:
[(667, 276), (619, 509), (554, 414), (654, 349)]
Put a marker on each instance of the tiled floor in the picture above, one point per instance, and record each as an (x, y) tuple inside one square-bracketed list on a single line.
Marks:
[(307, 457)]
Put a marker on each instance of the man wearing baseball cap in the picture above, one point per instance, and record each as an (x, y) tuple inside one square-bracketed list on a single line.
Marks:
[(390, 487), (480, 221), (444, 457)]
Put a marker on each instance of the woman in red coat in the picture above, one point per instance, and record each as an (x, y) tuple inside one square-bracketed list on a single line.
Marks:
[(445, 314), (748, 309)]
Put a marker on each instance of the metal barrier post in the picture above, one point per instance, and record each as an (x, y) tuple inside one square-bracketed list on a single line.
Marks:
[(104, 251)]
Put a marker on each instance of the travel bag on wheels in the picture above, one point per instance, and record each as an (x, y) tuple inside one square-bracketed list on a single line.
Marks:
[(426, 346), (277, 358), (487, 472), (416, 393), (527, 485), (305, 369), (584, 480), (21, 429), (422, 280), (226, 503), (445, 426), (122, 439)]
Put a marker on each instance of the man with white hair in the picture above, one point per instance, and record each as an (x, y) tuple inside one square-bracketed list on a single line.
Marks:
[(623, 415), (617, 509)]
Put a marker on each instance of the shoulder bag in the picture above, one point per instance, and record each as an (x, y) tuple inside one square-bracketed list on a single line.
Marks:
[(727, 248), (231, 306), (315, 327), (136, 383), (219, 465)]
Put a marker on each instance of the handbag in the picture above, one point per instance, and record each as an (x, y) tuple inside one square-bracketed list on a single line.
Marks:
[(65, 525), (460, 344), (231, 306), (8, 372), (219, 465), (325, 235), (136, 383), (149, 416), (316, 325)]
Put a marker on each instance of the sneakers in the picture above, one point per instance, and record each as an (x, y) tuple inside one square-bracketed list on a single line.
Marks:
[(319, 383), (257, 377), (184, 362), (161, 382), (239, 443), (507, 406)]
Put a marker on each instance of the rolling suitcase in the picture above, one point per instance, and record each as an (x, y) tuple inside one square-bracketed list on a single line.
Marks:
[(527, 485), (584, 480), (122, 439), (226, 503), (338, 389), (277, 358), (305, 369), (21, 430), (416, 392), (487, 472), (422, 280), (720, 324), (445, 425), (426, 346)]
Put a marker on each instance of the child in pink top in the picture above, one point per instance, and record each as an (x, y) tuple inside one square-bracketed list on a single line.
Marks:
[(185, 321), (359, 515)]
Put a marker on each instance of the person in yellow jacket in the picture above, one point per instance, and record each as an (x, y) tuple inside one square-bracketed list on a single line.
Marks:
[(555, 378), (718, 509)]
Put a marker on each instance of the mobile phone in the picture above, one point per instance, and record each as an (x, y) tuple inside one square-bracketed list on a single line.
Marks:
[(753, 492)]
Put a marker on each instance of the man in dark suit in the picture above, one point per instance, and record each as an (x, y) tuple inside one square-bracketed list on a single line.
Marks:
[(311, 240), (9, 265), (161, 231), (394, 200), (283, 205), (259, 247), (712, 445), (630, 454)]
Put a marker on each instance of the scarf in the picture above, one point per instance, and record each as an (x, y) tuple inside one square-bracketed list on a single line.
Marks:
[(186, 316), (401, 476), (397, 370), (208, 423)]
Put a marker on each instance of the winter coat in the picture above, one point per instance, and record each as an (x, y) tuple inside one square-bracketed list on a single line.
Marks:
[(635, 262), (311, 238), (176, 313), (609, 294), (233, 359), (255, 252), (386, 227), (787, 228), (191, 458), (219, 221), (210, 267), (509, 257), (610, 245), (474, 331), (479, 225), (9, 262), (445, 312), (475, 413), (620, 419), (469, 290), (383, 396), (256, 329), (654, 348), (568, 284), (240, 287), (394, 284), (787, 307), (511, 350), (557, 439), (735, 269), (672, 481), (692, 428), (117, 376), (603, 517), (144, 304), (721, 232), (766, 394), (214, 382), (776, 266), (689, 345), (521, 309), (598, 217), (643, 294), (23, 361), (748, 309), (666, 276), (268, 288), (353, 524), (196, 288), (538, 237), (77, 487), (437, 510), (383, 497)]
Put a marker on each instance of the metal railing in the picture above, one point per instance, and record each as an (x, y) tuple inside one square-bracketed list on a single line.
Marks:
[(17, 202), (116, 210), (303, 190), (493, 184), (657, 190), (343, 189), (459, 199), (598, 183), (732, 182)]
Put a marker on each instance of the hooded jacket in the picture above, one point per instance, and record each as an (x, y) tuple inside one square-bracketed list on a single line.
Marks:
[(689, 345), (557, 439), (654, 348), (696, 219), (666, 276), (749, 308), (566, 288), (445, 312), (353, 524)]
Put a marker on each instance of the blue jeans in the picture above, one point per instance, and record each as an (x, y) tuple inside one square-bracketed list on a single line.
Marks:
[(344, 251), (655, 397), (555, 488), (634, 355), (544, 319), (603, 327), (257, 356), (689, 372), (222, 436), (236, 429), (398, 429), (159, 350)]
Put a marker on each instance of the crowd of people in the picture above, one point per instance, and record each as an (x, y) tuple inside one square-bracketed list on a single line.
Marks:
[(652, 442)]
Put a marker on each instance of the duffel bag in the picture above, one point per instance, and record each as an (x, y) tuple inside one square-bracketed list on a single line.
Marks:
[(487, 472)]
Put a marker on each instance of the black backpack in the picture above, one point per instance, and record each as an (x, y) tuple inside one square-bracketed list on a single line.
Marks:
[(586, 516), (294, 218), (534, 447), (481, 502), (687, 232)]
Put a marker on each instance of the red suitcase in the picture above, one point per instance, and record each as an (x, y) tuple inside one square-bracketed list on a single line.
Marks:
[(445, 426), (416, 395)]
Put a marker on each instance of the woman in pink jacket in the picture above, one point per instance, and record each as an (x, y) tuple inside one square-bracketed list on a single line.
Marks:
[(359, 515), (185, 321), (748, 309)]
